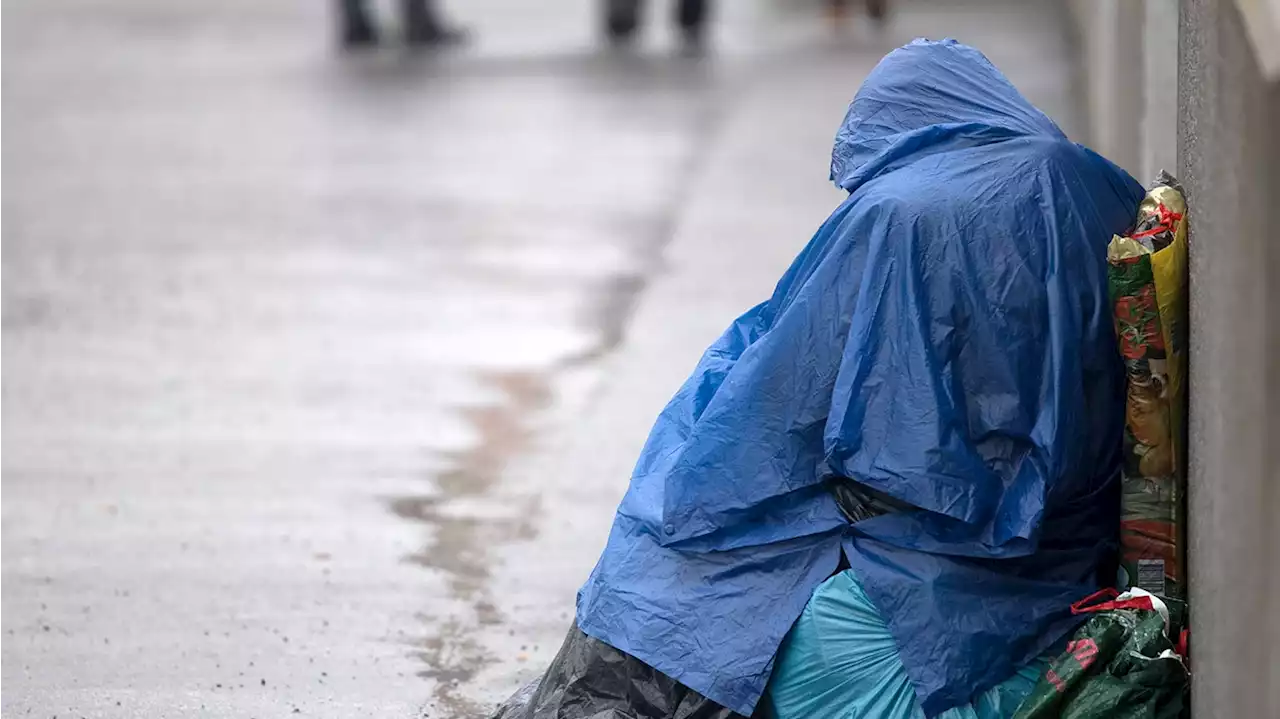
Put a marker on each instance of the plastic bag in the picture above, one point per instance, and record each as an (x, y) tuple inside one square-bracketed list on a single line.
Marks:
[(858, 502), (1119, 665), (840, 660), (589, 679), (1147, 274)]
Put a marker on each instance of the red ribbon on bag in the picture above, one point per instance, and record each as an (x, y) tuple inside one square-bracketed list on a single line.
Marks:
[(1168, 222), (1085, 606)]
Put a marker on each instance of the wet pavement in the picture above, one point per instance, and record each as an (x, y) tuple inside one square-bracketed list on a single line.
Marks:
[(325, 373)]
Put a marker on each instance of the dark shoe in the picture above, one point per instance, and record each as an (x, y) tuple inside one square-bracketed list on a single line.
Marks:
[(621, 18), (423, 26), (436, 35), (354, 36), (691, 17), (357, 29)]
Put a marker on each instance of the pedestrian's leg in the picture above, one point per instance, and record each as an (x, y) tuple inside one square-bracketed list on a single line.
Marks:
[(424, 26), (691, 17), (877, 10), (621, 18), (837, 11), (356, 27)]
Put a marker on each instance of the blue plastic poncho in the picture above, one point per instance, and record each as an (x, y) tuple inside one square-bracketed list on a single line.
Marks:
[(945, 338)]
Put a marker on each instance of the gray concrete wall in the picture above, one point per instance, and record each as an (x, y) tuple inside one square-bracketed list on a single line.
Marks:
[(1159, 128), (1228, 157), (1128, 53)]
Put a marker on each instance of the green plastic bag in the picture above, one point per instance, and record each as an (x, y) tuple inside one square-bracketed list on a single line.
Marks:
[(1119, 665)]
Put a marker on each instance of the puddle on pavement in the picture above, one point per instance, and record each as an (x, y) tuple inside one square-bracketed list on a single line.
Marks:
[(462, 514), (465, 517), (459, 546)]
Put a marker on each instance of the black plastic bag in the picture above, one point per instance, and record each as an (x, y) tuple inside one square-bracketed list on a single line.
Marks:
[(589, 679), (857, 501)]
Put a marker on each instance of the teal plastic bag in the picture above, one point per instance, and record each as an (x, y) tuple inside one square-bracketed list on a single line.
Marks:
[(841, 662)]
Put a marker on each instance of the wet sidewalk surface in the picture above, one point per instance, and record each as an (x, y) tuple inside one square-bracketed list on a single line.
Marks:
[(325, 373)]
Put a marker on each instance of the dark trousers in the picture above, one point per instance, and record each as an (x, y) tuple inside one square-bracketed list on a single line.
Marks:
[(417, 15), (688, 13)]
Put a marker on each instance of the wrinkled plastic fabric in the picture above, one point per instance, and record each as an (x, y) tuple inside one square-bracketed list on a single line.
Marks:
[(1119, 665), (840, 662), (589, 679), (945, 339)]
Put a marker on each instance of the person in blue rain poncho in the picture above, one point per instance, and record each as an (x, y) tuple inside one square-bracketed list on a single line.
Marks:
[(945, 342)]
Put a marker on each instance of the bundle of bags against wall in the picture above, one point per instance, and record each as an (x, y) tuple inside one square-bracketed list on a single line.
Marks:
[(885, 491), (1148, 279)]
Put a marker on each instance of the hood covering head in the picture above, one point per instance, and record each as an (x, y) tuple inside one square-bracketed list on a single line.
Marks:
[(925, 98)]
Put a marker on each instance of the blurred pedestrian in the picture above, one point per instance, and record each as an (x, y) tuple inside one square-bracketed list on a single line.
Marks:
[(422, 22), (838, 10), (622, 18)]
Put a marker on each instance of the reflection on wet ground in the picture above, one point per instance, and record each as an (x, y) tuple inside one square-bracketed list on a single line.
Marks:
[(464, 525)]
